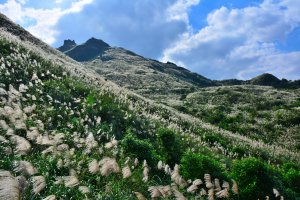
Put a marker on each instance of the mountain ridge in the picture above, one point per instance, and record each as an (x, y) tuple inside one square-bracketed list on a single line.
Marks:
[(106, 53)]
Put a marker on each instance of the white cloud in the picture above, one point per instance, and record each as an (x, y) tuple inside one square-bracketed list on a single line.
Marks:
[(178, 10), (142, 26), (241, 42), (45, 19)]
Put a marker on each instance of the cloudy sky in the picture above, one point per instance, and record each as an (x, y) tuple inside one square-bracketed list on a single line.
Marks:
[(219, 39)]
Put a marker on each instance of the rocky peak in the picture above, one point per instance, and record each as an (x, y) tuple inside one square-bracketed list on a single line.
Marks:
[(89, 50), (96, 43), (68, 44)]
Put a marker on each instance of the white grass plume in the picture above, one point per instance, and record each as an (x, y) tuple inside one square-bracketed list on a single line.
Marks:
[(51, 197), (9, 187), (39, 183), (108, 166), (140, 196), (25, 167), (126, 171), (94, 166)]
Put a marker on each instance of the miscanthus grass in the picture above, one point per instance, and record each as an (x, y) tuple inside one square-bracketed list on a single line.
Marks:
[(63, 137)]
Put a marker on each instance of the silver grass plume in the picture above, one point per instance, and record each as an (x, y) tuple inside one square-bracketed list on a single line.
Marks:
[(25, 167), (276, 192), (39, 183), (158, 191), (160, 165), (22, 145), (51, 197), (140, 196), (69, 181), (136, 162), (84, 189), (217, 185), (234, 188), (108, 166), (177, 178), (94, 166), (178, 195), (9, 187), (23, 183), (211, 194), (126, 171), (145, 174), (208, 182), (194, 186), (203, 192)]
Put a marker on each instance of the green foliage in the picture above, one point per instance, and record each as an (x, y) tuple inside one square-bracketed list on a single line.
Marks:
[(171, 146), (141, 149), (291, 174), (255, 178), (196, 165)]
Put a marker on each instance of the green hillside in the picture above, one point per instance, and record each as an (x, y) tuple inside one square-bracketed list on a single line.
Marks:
[(66, 133)]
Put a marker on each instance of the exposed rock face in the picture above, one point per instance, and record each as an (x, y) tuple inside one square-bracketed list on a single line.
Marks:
[(68, 44), (87, 51)]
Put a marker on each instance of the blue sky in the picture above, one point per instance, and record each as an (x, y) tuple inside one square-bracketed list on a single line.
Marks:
[(219, 39)]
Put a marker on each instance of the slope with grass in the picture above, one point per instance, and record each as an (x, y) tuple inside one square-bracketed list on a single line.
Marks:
[(66, 133), (147, 77), (257, 112)]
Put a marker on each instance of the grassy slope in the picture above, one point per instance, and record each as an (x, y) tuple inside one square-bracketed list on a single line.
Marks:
[(258, 112), (69, 107)]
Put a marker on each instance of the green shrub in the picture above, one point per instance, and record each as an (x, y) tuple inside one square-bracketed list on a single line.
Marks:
[(196, 165), (171, 146), (141, 149), (291, 174), (254, 178)]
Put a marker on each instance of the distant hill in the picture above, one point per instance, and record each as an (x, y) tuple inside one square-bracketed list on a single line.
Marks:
[(140, 74), (145, 76), (266, 79)]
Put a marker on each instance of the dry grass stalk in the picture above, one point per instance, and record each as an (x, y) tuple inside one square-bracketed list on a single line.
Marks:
[(22, 145), (84, 189), (126, 171), (140, 196), (23, 183), (94, 166), (108, 166), (51, 197), (208, 182), (39, 183), (211, 194), (276, 192), (25, 167), (234, 188), (9, 187)]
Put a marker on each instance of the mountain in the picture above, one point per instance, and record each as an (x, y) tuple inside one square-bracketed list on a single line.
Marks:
[(150, 78), (67, 133), (266, 79), (113, 62), (68, 44), (87, 51)]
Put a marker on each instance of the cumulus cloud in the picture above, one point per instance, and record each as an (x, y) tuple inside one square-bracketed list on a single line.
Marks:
[(144, 26), (237, 43), (241, 42), (42, 21), (179, 10)]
